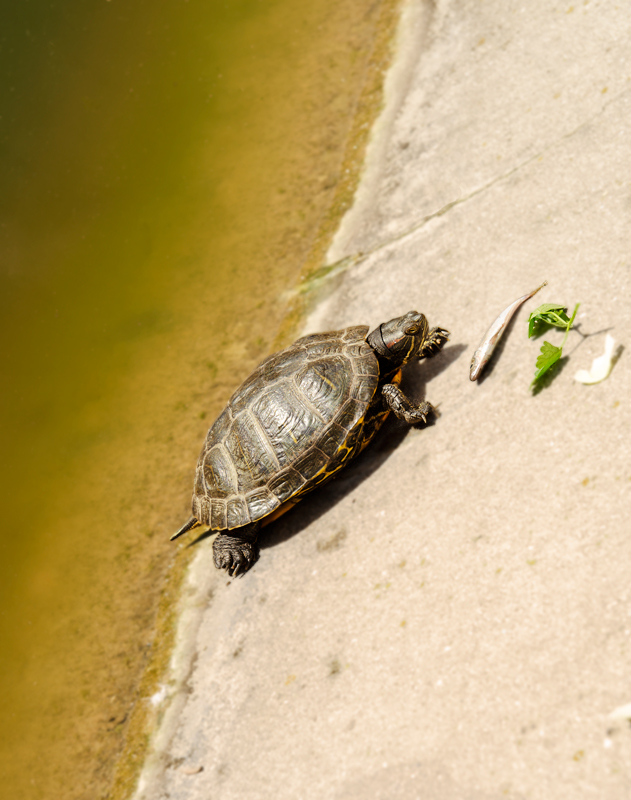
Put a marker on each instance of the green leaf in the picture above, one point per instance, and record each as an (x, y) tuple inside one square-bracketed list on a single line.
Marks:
[(549, 356), (543, 309), (547, 314), (549, 353)]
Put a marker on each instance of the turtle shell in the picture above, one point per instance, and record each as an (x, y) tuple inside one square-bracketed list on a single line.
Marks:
[(294, 422)]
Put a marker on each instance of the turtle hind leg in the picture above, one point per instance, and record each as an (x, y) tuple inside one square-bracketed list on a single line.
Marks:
[(236, 551)]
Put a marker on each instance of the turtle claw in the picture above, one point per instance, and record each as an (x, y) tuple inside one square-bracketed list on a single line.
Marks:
[(234, 555), (415, 415), (436, 338)]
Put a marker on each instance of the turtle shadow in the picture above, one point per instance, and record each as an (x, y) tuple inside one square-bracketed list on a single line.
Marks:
[(416, 376)]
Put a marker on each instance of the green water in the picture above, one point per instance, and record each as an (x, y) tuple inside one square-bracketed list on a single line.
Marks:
[(165, 168)]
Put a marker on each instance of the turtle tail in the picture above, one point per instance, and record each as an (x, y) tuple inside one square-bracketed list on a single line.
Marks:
[(188, 526)]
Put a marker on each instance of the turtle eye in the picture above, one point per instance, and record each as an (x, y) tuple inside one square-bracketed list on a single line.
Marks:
[(412, 329)]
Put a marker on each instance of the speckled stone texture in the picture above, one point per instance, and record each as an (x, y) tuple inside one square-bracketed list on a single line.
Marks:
[(451, 618)]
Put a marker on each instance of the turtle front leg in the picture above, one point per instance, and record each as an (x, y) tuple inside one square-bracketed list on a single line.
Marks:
[(236, 551), (403, 408), (434, 343)]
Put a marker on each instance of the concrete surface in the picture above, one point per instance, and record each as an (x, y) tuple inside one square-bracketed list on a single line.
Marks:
[(451, 618)]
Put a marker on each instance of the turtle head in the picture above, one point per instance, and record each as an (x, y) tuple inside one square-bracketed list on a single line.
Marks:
[(401, 338)]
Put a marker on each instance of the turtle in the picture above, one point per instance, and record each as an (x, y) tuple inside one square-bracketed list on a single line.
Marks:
[(300, 417)]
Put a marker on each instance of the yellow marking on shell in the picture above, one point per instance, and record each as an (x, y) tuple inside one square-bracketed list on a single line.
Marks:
[(324, 472), (378, 422), (325, 379), (296, 498), (245, 458)]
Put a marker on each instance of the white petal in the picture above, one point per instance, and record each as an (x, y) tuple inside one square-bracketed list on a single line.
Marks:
[(622, 712), (601, 366)]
